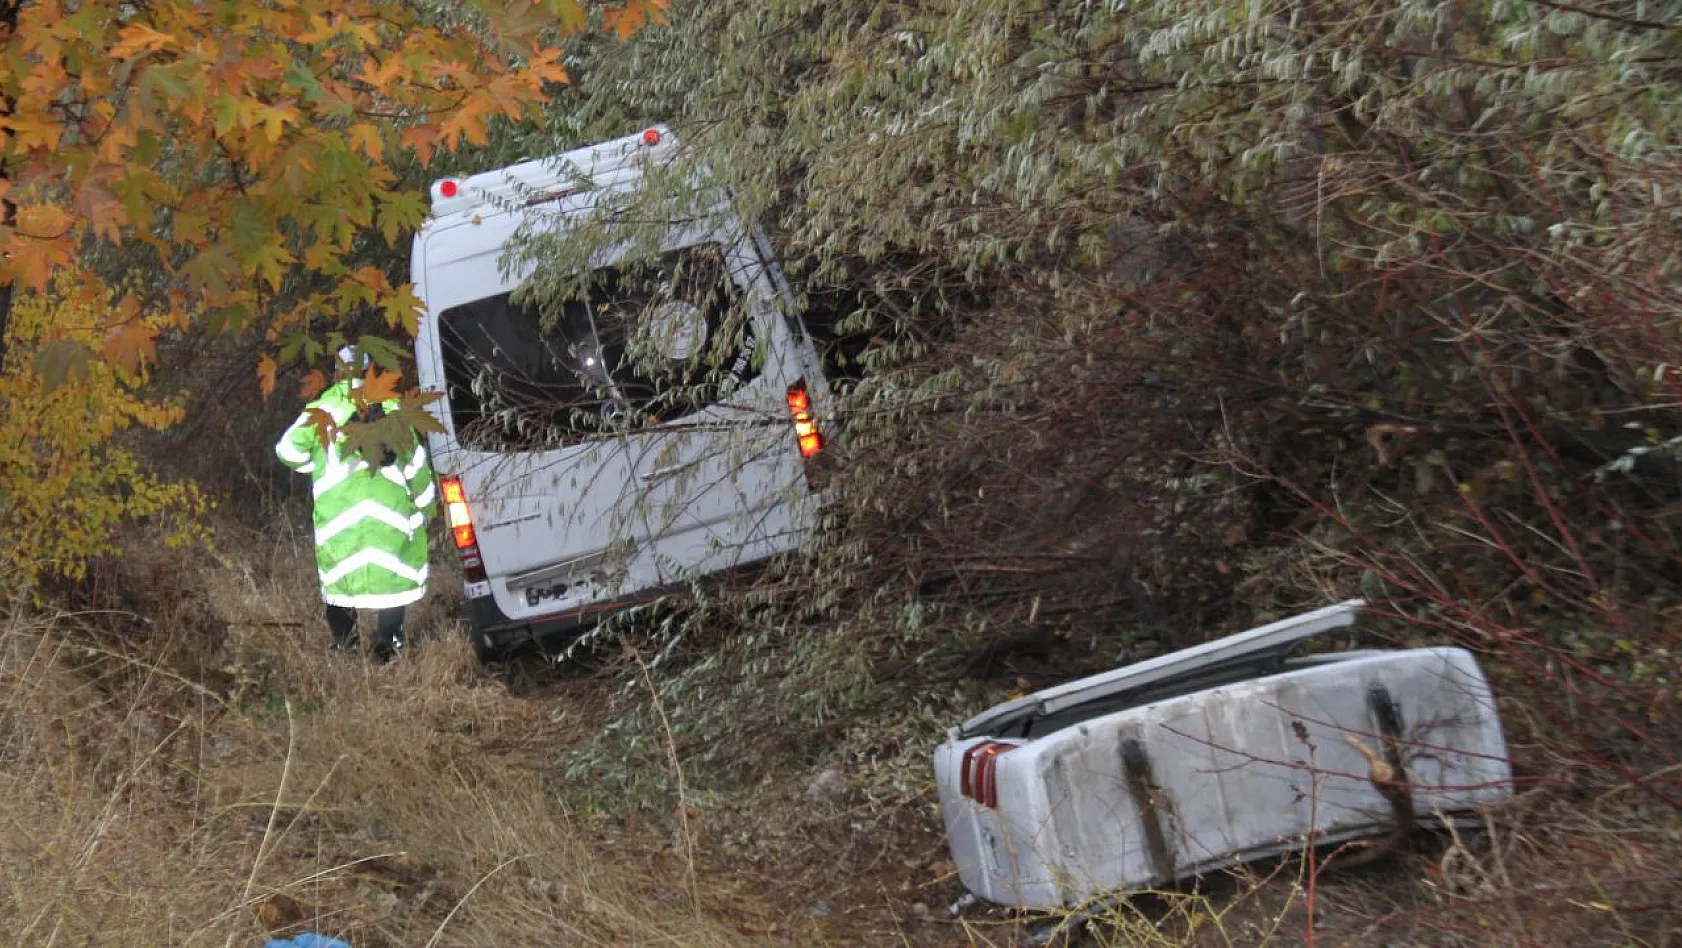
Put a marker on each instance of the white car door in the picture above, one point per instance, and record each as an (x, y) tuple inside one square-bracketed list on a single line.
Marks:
[(718, 478), (548, 507)]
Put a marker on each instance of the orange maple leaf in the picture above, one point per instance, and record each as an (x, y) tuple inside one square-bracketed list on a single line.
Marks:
[(467, 121), (32, 262), (103, 211), (626, 20), (137, 38), (42, 221), (266, 369), (130, 345), (312, 384), (382, 77), (379, 386), (325, 430), (424, 140), (33, 131)]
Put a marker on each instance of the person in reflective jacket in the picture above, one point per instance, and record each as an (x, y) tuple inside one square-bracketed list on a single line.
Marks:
[(370, 518)]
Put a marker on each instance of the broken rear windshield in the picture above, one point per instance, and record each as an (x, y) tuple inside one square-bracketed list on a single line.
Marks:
[(639, 345)]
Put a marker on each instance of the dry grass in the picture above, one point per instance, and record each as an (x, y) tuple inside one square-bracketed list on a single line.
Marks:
[(1541, 873), (270, 787), (215, 776)]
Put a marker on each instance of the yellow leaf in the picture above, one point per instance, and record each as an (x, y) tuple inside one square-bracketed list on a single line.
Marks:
[(274, 120), (31, 130), (404, 308), (266, 368), (270, 263), (366, 138)]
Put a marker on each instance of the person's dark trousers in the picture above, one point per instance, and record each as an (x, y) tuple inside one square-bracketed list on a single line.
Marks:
[(388, 629), (342, 621)]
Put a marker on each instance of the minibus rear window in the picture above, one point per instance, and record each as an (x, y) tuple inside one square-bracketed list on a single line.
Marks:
[(636, 345)]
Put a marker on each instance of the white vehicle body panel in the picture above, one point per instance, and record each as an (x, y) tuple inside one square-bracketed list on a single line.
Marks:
[(599, 523), (1162, 791)]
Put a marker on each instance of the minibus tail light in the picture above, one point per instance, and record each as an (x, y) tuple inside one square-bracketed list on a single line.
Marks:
[(460, 519), (805, 426)]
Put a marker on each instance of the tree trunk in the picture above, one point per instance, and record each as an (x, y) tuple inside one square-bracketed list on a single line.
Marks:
[(5, 307), (8, 210)]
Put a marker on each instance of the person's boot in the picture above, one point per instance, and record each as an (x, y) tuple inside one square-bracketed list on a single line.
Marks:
[(388, 637), (342, 622)]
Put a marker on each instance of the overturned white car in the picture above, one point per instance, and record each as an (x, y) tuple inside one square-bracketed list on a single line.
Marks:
[(1224, 753)]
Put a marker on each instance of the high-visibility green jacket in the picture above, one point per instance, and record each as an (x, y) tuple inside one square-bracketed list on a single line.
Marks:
[(370, 523)]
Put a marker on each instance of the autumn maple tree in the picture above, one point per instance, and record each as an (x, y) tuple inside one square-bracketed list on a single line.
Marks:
[(248, 145), (239, 158)]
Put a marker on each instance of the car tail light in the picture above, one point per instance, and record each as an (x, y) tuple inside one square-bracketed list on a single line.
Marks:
[(651, 137), (978, 772), (806, 433), (805, 427), (461, 528)]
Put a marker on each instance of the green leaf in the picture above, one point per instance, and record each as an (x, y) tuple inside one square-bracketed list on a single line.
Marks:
[(416, 418), (401, 211), (290, 349), (227, 318), (250, 226), (300, 77), (214, 270), (383, 352), (62, 361), (571, 14), (224, 113), (161, 87)]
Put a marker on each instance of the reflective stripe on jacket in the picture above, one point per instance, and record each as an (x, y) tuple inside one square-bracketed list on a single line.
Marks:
[(370, 523)]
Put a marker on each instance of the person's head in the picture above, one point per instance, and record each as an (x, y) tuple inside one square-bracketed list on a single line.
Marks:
[(352, 362)]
